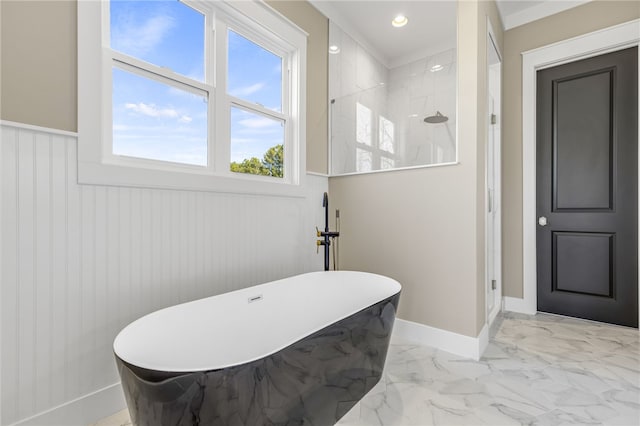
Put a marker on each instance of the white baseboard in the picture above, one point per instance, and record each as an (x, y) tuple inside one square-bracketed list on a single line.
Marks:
[(522, 306), (457, 344), (82, 411)]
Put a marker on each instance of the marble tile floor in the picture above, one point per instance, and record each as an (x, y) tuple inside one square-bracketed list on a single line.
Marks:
[(537, 370)]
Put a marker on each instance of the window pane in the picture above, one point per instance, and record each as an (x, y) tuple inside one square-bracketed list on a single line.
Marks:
[(364, 160), (363, 124), (255, 74), (165, 33), (257, 144), (386, 135), (157, 121)]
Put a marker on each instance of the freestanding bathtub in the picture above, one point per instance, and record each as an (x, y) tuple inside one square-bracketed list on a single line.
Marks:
[(298, 351)]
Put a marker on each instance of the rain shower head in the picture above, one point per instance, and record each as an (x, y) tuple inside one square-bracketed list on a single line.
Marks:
[(438, 118)]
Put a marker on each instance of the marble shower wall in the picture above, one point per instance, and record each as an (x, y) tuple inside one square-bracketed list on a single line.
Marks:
[(415, 92), (358, 84), (377, 113)]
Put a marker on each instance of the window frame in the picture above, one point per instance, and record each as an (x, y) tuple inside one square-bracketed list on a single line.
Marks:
[(229, 101), (98, 165)]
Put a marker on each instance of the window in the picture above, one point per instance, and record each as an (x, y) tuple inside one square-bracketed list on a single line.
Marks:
[(258, 113), (190, 94), (159, 98)]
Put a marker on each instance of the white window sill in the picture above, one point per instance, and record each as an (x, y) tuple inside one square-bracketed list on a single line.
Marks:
[(117, 175)]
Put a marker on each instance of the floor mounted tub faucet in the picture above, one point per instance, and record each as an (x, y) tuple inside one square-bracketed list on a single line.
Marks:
[(328, 236)]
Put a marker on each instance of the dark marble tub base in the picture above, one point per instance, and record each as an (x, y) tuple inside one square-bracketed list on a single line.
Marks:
[(315, 381)]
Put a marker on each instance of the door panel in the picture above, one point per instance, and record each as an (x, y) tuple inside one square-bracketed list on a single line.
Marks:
[(583, 263), (587, 180), (583, 141)]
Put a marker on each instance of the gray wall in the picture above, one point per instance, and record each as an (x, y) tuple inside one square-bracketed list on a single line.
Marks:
[(571, 23), (39, 63)]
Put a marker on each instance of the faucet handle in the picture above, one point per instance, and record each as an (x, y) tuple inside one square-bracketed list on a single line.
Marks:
[(318, 244), (318, 233)]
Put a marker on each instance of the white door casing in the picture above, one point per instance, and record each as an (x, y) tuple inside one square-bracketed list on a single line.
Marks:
[(588, 45), (493, 179)]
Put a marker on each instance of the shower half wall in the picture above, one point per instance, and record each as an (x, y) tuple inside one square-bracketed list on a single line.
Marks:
[(377, 112)]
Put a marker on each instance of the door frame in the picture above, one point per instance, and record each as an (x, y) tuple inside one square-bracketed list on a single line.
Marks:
[(588, 45), (497, 195)]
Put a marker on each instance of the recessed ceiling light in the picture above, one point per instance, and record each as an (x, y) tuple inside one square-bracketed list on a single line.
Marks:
[(334, 49), (399, 21), (413, 115), (436, 67)]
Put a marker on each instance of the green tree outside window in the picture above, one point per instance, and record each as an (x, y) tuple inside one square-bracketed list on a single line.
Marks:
[(270, 165)]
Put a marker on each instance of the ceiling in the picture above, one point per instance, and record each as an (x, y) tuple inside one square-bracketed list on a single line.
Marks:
[(431, 27), (431, 24)]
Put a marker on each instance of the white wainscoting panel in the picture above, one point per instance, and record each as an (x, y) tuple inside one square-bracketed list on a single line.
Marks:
[(79, 262)]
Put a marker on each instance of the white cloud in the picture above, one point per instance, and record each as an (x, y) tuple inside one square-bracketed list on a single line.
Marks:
[(150, 110), (247, 90), (258, 123), (138, 39)]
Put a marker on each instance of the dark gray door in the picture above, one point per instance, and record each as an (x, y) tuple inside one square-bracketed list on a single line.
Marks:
[(587, 184)]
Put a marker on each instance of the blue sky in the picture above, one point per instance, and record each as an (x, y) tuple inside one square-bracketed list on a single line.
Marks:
[(154, 120)]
